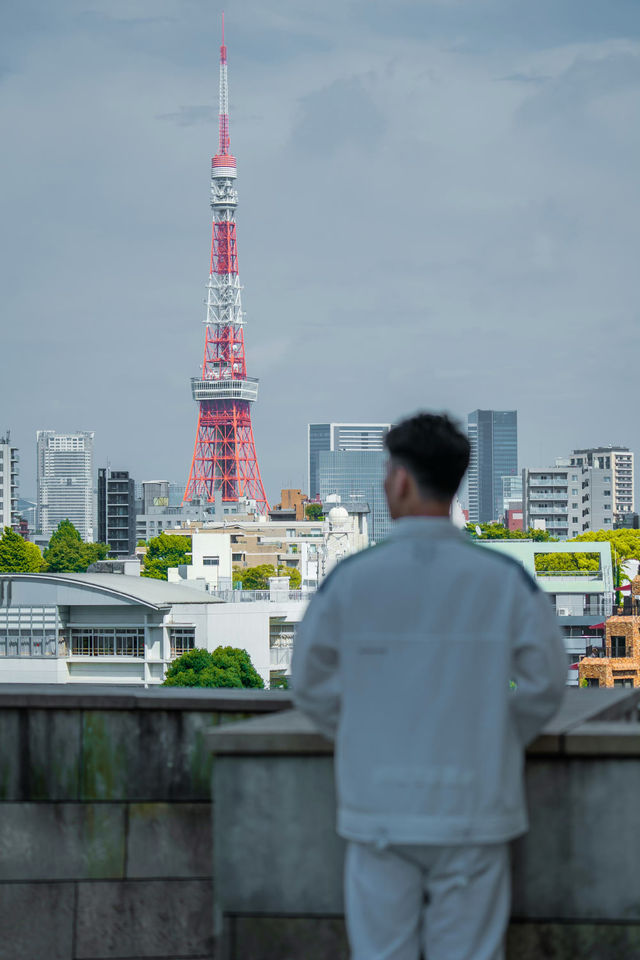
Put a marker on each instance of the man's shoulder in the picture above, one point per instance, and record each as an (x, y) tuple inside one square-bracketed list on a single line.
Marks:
[(356, 563), (500, 564)]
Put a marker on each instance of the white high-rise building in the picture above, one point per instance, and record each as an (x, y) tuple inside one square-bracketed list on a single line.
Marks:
[(618, 460), (8, 483), (65, 481)]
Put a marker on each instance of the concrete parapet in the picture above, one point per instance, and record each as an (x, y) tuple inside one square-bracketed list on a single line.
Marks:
[(575, 873), (105, 819)]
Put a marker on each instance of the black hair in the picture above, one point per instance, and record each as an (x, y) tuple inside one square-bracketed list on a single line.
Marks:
[(434, 449)]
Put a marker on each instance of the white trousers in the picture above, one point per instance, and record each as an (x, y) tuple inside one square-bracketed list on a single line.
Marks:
[(441, 903)]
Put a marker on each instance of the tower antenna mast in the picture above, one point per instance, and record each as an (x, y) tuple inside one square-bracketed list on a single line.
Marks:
[(224, 456)]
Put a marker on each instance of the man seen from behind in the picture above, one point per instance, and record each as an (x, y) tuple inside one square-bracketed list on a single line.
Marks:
[(432, 662)]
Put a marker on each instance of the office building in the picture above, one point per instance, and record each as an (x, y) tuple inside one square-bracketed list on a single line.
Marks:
[(65, 481), (116, 512), (493, 435), (346, 437), (356, 476), (619, 461), (8, 483)]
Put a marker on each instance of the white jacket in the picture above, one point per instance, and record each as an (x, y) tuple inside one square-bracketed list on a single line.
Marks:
[(432, 662)]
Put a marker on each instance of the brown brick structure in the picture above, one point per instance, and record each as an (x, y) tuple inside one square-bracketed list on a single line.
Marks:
[(621, 663)]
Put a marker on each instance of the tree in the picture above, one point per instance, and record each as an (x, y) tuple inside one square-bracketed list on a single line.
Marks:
[(257, 578), (68, 553), (313, 511), (567, 561), (225, 667), (295, 577), (17, 555), (165, 551), (496, 531)]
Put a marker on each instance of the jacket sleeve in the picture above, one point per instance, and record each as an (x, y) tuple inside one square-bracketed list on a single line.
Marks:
[(315, 667), (539, 665)]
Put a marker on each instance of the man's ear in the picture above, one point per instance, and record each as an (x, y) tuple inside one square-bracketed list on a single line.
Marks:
[(402, 482)]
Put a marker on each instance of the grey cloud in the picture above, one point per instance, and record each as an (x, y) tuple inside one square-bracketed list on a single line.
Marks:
[(189, 116), (342, 113)]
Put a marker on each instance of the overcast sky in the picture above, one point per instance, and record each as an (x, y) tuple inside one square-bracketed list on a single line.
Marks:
[(439, 208)]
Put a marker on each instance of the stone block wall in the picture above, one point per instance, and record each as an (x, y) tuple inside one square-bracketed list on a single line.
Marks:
[(105, 820)]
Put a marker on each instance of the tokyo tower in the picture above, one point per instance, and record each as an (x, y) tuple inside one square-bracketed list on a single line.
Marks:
[(224, 457)]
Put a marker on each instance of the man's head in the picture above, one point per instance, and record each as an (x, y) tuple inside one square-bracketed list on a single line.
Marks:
[(428, 456)]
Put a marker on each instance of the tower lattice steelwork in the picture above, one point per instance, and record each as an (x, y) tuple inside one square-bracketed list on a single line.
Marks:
[(224, 457)]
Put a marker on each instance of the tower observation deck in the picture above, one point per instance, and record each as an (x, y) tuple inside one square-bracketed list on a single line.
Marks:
[(224, 456)]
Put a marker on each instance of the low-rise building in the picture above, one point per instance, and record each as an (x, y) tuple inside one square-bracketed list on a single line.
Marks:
[(312, 547), (582, 599), (115, 629), (615, 661)]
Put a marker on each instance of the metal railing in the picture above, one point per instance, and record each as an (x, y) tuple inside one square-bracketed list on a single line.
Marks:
[(251, 596), (585, 574)]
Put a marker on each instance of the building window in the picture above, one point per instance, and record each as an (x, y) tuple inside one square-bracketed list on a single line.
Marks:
[(30, 632), (291, 533), (211, 561), (593, 682), (618, 646), (236, 557), (107, 641), (623, 682), (182, 640)]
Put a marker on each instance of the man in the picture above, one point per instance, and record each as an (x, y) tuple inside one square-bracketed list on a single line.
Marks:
[(432, 662)]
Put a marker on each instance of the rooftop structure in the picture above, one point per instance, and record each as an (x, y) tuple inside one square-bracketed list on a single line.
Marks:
[(224, 458)]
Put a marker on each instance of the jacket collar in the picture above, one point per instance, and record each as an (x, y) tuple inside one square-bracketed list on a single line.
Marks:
[(423, 527)]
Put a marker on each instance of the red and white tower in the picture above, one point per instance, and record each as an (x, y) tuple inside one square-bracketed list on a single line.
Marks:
[(224, 457)]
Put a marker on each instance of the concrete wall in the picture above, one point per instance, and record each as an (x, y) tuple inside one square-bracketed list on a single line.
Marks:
[(575, 874), (105, 820)]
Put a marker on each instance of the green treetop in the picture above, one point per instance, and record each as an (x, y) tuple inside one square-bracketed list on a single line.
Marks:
[(18, 555), (163, 552), (68, 553), (313, 511), (257, 578), (225, 667), (496, 531)]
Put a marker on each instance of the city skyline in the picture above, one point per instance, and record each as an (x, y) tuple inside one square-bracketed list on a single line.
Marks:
[(518, 156)]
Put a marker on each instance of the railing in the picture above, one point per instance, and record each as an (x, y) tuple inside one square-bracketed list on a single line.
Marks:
[(280, 656), (251, 596), (605, 653), (578, 607), (585, 574)]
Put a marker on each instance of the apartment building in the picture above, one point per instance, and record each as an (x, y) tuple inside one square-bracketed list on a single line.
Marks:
[(567, 499), (619, 463), (8, 483), (116, 512)]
